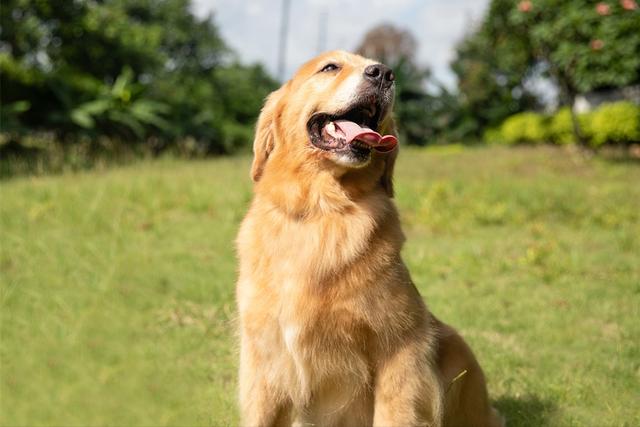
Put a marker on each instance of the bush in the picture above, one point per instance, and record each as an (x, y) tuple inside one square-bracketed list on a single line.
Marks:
[(617, 122), (611, 123), (525, 127), (492, 135), (561, 126)]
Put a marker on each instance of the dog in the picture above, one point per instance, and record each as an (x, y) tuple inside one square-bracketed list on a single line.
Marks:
[(332, 330)]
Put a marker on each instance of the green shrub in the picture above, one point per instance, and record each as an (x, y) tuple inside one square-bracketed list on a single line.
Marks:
[(492, 135), (617, 122), (561, 126), (525, 127)]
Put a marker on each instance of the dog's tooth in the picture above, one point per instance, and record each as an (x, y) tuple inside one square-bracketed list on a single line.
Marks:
[(331, 127)]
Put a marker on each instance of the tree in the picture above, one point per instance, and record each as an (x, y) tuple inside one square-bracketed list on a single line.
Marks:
[(57, 55), (587, 46), (581, 45), (136, 70), (584, 46), (492, 67), (388, 44)]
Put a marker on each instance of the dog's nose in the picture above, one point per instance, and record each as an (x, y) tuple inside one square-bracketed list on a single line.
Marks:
[(379, 74)]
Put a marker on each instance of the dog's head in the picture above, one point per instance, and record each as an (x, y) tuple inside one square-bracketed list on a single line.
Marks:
[(333, 116)]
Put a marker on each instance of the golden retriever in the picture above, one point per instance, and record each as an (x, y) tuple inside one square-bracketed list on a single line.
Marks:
[(332, 330)]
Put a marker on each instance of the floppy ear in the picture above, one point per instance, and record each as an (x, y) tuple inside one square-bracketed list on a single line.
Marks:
[(264, 140), (389, 128)]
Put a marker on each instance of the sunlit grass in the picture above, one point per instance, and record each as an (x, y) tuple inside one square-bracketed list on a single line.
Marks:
[(117, 286)]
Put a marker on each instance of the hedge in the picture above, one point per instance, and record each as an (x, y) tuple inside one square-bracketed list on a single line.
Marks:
[(610, 123)]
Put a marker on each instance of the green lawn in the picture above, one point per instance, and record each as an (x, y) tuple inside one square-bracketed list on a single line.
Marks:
[(117, 286)]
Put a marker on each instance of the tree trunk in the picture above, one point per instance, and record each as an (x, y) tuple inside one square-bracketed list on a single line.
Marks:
[(569, 96), (577, 129), (567, 93)]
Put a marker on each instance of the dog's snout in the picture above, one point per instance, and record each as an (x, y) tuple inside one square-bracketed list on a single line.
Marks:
[(379, 74)]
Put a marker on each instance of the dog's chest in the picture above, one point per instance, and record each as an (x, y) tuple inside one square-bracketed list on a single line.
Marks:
[(325, 350), (301, 290)]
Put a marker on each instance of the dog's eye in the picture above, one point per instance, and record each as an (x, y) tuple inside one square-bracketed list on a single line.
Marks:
[(329, 67)]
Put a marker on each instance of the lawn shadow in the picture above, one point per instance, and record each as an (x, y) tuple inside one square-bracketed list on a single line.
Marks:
[(525, 411)]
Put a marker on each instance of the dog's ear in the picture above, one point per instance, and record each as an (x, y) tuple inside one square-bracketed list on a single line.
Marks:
[(264, 140), (389, 128)]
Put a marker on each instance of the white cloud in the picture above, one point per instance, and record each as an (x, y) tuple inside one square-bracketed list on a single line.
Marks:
[(251, 27)]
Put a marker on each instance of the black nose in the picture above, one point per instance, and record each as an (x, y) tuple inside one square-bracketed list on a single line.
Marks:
[(379, 74)]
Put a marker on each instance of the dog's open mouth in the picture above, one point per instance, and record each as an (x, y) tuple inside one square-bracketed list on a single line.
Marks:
[(354, 130)]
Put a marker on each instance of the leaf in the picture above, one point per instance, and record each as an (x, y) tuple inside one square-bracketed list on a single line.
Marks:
[(129, 122), (119, 88), (95, 107), (82, 119), (148, 112), (18, 107)]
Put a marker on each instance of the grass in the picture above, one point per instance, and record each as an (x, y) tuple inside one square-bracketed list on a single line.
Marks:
[(117, 286)]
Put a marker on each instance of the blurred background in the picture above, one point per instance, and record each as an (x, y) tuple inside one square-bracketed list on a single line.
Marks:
[(121, 78), (125, 137)]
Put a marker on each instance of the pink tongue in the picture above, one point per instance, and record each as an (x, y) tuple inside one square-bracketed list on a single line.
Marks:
[(354, 132)]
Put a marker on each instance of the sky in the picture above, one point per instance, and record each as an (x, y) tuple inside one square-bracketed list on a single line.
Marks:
[(251, 27)]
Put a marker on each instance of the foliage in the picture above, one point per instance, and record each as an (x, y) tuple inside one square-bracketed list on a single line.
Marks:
[(492, 135), (119, 110), (9, 114), (139, 70), (415, 109), (613, 123), (583, 46), (586, 45), (117, 286), (525, 127), (580, 45), (617, 122), (491, 69), (561, 126)]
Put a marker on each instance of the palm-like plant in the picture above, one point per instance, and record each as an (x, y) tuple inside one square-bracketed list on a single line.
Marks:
[(120, 109)]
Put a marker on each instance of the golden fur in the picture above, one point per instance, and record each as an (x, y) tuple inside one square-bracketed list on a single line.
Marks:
[(333, 332)]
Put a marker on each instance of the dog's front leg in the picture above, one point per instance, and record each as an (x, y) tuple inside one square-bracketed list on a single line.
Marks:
[(407, 389), (260, 404)]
